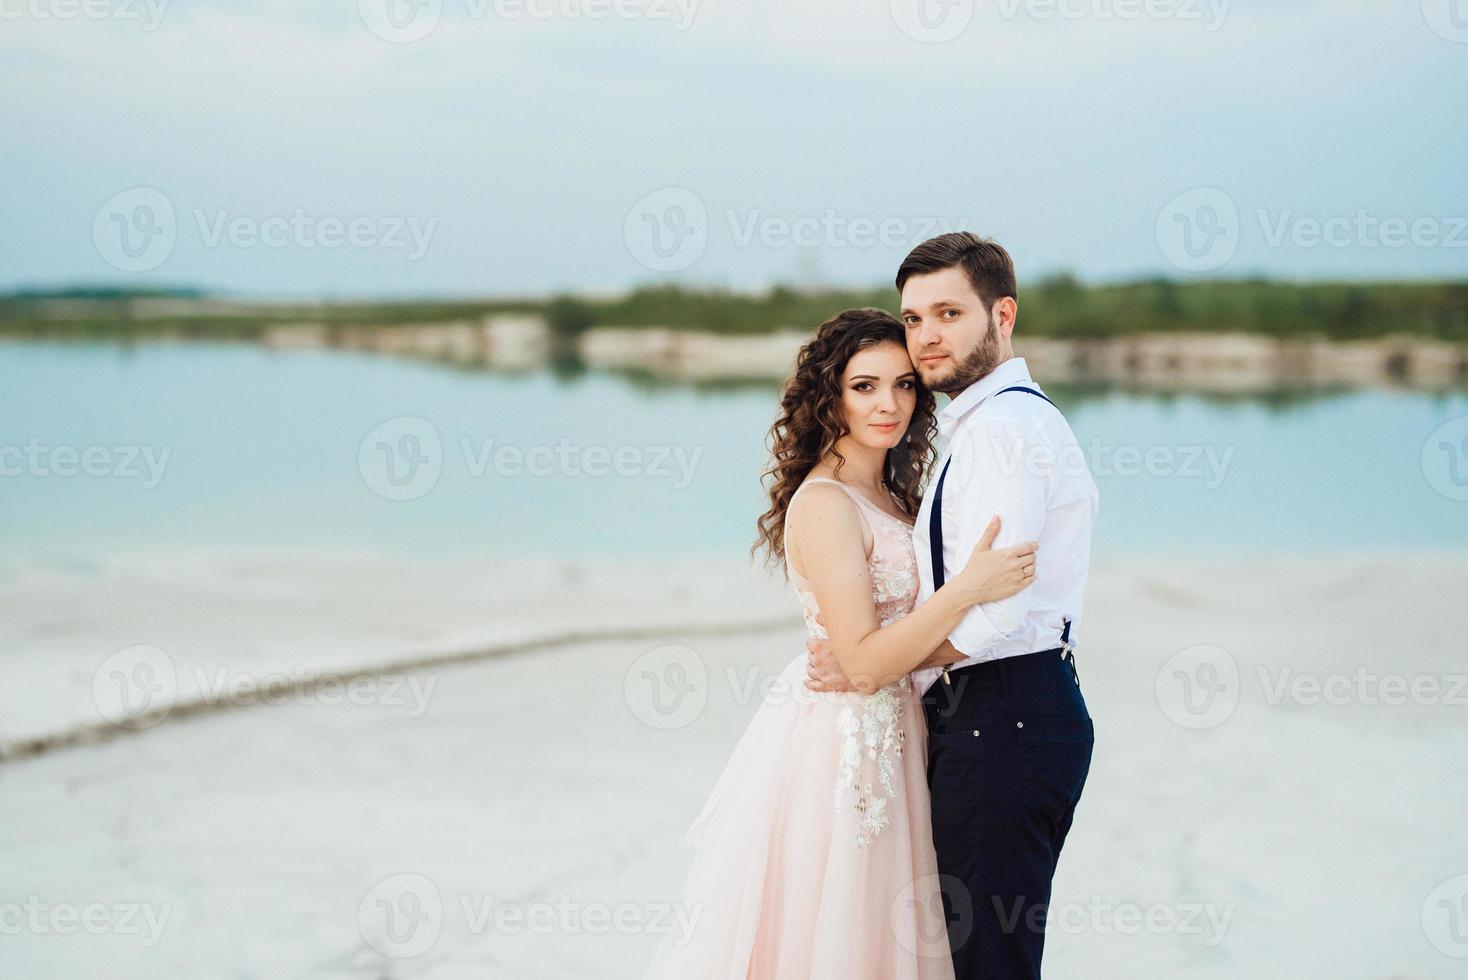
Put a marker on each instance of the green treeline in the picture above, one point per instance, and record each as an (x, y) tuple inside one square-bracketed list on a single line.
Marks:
[(1058, 306)]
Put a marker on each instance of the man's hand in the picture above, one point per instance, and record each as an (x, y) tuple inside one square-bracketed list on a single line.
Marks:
[(822, 673)]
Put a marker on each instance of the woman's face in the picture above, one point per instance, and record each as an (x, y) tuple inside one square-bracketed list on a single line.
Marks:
[(878, 395)]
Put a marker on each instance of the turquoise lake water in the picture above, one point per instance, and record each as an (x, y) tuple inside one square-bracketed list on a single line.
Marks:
[(251, 448)]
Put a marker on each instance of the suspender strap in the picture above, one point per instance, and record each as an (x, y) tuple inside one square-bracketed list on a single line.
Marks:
[(935, 528), (935, 516), (935, 519)]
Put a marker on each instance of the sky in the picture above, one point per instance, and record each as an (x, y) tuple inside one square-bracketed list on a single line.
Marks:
[(455, 148)]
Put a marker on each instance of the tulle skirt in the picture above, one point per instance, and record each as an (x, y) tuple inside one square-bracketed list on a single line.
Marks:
[(814, 853)]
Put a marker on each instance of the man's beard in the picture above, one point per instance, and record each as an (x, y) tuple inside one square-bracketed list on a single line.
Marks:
[(979, 363)]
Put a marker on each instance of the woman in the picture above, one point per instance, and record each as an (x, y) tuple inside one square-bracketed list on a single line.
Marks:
[(814, 851)]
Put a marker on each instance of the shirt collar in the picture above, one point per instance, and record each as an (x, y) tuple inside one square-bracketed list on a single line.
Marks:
[(1012, 372)]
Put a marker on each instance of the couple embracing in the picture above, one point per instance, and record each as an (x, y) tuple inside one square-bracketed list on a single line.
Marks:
[(903, 819)]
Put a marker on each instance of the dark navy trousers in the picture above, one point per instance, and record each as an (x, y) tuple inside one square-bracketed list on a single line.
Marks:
[(1009, 748)]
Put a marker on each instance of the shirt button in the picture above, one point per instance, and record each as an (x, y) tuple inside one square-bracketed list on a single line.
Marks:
[(976, 733), (1019, 724)]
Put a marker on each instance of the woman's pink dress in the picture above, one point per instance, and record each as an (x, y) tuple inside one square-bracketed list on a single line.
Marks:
[(814, 852)]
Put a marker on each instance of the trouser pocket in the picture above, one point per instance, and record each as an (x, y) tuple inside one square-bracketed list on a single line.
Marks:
[(1054, 761)]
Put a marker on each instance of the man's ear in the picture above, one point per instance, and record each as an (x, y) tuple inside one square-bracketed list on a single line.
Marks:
[(1005, 313)]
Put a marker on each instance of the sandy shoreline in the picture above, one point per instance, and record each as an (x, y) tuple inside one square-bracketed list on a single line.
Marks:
[(1297, 834)]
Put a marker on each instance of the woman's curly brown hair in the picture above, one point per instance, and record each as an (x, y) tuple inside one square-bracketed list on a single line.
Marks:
[(811, 421)]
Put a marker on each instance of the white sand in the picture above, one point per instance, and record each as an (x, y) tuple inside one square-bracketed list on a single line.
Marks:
[(1319, 830)]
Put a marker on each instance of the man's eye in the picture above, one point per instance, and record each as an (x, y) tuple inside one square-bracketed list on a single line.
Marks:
[(950, 313)]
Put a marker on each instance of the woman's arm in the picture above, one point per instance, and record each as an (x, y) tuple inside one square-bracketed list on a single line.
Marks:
[(827, 536)]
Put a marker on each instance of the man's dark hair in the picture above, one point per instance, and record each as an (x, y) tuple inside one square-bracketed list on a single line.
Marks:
[(988, 266)]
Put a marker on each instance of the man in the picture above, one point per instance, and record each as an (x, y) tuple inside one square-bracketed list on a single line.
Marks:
[(1009, 734)]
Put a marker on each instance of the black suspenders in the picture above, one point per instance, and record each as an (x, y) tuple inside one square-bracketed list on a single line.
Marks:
[(935, 519)]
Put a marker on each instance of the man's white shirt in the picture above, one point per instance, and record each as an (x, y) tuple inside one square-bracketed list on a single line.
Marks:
[(1015, 456)]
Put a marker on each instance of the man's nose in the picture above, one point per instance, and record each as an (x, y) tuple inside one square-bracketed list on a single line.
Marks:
[(928, 333)]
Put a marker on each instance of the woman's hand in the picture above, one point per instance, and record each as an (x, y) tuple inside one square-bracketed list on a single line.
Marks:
[(993, 575)]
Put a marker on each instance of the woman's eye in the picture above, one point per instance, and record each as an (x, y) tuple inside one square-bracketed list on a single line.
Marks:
[(904, 384), (862, 386)]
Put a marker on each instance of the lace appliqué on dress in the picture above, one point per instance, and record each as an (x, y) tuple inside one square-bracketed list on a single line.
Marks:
[(871, 733), (871, 729)]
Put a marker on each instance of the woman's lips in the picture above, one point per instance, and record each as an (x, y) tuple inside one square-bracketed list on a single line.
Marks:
[(887, 426)]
